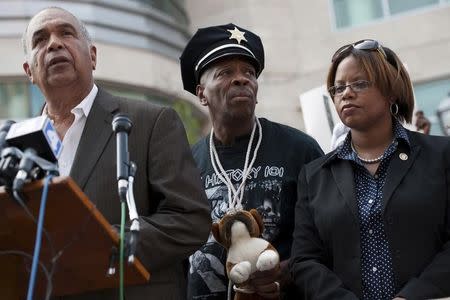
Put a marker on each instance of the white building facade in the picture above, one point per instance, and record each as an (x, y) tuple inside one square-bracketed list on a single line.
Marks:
[(300, 36), (139, 43)]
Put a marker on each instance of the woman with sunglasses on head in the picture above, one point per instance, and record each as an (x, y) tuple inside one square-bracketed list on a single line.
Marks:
[(372, 220)]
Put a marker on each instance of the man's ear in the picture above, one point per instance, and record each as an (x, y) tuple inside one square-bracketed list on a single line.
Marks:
[(26, 68), (215, 229), (93, 51), (200, 91)]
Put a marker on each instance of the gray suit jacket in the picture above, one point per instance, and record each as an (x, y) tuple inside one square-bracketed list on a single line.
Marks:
[(175, 218), (326, 261)]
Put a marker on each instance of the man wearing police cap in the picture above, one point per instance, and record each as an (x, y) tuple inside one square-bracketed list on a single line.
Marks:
[(245, 162)]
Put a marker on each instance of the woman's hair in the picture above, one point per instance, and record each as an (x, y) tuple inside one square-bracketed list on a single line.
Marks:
[(388, 74)]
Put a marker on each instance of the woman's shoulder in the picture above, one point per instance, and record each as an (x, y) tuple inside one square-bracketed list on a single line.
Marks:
[(428, 141)]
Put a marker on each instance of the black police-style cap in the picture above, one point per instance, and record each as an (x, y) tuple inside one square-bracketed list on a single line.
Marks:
[(211, 43)]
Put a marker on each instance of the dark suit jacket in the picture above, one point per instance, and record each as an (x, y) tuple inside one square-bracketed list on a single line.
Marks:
[(175, 215), (326, 261)]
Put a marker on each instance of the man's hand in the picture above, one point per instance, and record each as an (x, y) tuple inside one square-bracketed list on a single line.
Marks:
[(266, 283)]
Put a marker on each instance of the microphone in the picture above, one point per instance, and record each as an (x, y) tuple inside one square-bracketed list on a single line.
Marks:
[(36, 133), (10, 159), (121, 126), (26, 164), (3, 132)]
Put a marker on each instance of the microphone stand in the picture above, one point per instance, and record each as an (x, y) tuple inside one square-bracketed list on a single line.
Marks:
[(127, 188), (126, 171), (134, 217)]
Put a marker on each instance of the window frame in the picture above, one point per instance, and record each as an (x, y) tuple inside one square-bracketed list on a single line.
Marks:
[(386, 14)]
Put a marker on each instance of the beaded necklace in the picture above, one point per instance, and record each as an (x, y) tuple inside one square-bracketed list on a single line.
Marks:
[(368, 160)]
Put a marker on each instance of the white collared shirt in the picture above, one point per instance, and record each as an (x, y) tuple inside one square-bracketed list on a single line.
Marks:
[(73, 134)]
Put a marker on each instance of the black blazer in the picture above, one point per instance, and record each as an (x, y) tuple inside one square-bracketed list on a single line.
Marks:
[(174, 213), (325, 261)]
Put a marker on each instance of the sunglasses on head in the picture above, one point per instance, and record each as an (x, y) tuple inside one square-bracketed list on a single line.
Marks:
[(368, 45)]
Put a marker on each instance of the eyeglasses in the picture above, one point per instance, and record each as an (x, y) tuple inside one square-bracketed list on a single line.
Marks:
[(360, 45), (356, 86)]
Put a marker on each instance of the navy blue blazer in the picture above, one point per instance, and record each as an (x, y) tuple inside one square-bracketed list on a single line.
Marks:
[(325, 260)]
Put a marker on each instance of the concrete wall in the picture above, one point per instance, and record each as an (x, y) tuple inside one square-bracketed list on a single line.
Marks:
[(300, 38), (136, 45)]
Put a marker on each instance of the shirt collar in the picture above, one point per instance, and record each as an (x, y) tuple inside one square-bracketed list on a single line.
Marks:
[(84, 107), (344, 150), (400, 133)]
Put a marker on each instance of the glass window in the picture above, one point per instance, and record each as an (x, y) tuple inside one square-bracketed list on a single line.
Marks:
[(20, 100), (174, 8), (350, 13), (14, 100), (355, 12), (433, 99), (398, 6)]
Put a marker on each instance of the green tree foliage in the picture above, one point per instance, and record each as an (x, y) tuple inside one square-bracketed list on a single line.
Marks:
[(191, 122)]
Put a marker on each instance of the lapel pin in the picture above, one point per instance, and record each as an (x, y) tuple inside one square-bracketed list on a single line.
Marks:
[(403, 156)]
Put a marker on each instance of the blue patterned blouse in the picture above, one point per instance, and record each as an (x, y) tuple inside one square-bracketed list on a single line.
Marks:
[(376, 259)]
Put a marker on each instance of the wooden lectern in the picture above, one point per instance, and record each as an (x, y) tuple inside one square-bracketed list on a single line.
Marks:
[(77, 230)]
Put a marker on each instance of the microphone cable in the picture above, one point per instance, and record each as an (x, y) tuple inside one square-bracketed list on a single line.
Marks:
[(133, 214), (122, 246), (37, 246), (47, 273), (21, 200)]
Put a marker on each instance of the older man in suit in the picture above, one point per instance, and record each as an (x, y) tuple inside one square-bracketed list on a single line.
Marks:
[(174, 213)]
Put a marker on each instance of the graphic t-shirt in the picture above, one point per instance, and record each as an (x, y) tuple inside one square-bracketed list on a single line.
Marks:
[(271, 188)]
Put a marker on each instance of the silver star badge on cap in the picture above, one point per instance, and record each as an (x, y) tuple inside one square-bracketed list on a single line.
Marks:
[(237, 35)]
